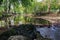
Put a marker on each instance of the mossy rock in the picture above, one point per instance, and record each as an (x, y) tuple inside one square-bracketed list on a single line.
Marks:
[(27, 30)]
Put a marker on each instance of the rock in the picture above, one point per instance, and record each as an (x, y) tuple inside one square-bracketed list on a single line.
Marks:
[(18, 37), (27, 30)]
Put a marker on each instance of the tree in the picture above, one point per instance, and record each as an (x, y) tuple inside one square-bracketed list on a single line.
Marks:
[(15, 3)]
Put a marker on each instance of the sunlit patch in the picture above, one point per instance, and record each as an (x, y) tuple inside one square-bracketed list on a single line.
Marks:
[(39, 0)]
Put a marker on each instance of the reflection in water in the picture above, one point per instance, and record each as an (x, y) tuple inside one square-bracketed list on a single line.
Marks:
[(52, 32)]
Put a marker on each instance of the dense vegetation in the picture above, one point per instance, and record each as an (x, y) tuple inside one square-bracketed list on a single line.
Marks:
[(21, 7)]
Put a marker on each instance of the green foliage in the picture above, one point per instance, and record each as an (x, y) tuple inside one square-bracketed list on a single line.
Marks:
[(58, 6), (1, 2), (26, 3), (27, 6), (41, 21), (18, 19), (1, 8), (40, 7), (28, 19), (54, 5)]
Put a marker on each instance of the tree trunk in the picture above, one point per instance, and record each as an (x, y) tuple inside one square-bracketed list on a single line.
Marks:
[(48, 8), (7, 10)]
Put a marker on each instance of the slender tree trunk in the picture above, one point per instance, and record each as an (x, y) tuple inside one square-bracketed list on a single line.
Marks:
[(9, 7), (7, 10), (49, 6)]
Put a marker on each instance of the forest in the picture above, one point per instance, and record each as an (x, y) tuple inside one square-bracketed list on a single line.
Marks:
[(22, 11), (15, 13)]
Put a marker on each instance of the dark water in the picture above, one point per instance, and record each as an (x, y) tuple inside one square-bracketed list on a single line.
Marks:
[(52, 32)]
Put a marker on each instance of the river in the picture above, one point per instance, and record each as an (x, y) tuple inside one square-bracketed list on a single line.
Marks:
[(52, 32)]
